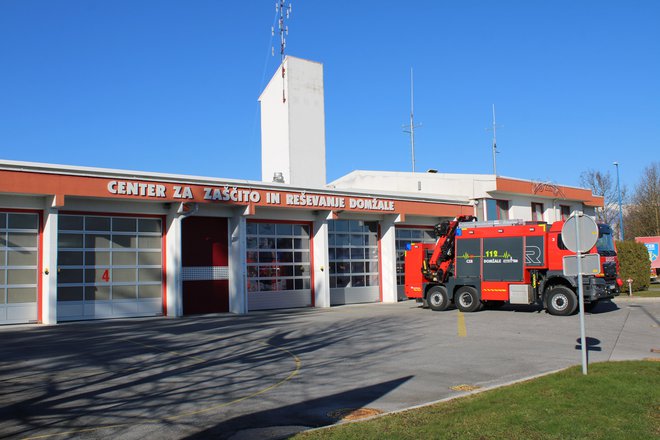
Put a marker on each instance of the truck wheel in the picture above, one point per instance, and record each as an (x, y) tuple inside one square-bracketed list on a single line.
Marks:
[(467, 299), (561, 301), (437, 298)]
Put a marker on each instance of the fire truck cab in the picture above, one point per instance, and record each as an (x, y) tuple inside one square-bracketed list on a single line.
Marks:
[(487, 264)]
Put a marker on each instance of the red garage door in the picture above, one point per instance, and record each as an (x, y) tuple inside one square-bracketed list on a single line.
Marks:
[(205, 265)]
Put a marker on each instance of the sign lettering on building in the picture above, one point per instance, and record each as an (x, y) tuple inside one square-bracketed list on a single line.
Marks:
[(237, 195)]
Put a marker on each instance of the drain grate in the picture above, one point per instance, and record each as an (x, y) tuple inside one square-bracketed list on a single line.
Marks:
[(465, 387), (350, 414)]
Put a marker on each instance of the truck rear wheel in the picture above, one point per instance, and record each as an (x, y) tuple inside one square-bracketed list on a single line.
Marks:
[(437, 298), (467, 299), (561, 301)]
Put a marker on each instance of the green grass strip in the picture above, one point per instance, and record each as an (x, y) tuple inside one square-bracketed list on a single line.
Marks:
[(652, 292), (616, 400)]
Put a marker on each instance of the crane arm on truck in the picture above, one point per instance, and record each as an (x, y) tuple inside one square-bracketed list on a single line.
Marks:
[(443, 253)]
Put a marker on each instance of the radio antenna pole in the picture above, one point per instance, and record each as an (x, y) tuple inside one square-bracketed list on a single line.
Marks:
[(494, 143), (285, 13), (411, 127), (495, 152)]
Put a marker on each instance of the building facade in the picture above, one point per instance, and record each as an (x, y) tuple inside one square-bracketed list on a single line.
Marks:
[(494, 197), (84, 243)]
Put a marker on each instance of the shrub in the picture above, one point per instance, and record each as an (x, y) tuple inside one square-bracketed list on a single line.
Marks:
[(635, 264)]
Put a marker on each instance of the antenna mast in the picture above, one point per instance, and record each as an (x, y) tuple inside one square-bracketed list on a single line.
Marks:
[(411, 128), (494, 143), (285, 12)]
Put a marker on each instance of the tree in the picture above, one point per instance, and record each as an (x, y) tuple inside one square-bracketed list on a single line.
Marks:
[(601, 184), (635, 263), (643, 213)]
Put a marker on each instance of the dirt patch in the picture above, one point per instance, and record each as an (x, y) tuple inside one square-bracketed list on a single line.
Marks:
[(350, 414)]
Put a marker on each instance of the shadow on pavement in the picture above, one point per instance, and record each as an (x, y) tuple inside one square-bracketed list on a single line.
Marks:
[(604, 306), (308, 414), (93, 375)]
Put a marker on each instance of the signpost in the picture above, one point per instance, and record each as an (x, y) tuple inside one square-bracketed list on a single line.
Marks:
[(590, 264), (579, 234)]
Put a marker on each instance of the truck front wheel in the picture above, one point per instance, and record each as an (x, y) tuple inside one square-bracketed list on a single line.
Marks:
[(467, 299), (561, 301), (437, 298)]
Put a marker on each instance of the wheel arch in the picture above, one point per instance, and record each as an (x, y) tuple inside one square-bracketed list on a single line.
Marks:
[(557, 280), (474, 304), (453, 284), (427, 288)]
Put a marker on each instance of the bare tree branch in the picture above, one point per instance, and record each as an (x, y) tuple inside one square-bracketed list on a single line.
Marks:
[(643, 214)]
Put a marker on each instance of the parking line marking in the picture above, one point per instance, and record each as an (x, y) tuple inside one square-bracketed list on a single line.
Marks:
[(462, 329), (291, 375)]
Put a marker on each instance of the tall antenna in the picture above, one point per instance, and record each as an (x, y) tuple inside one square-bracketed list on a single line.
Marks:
[(411, 128), (495, 152), (285, 12)]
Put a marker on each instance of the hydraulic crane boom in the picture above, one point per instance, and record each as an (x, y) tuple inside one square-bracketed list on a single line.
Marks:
[(443, 253)]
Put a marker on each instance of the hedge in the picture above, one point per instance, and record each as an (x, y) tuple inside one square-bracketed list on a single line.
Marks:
[(635, 264)]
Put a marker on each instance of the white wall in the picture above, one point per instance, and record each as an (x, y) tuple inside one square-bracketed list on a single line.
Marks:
[(238, 301), (275, 152), (459, 187), (520, 207), (450, 186), (321, 261), (172, 229), (49, 264), (388, 259), (293, 132)]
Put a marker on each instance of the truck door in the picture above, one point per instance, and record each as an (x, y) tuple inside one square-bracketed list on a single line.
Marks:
[(502, 265)]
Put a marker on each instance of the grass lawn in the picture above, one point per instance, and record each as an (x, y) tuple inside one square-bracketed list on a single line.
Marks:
[(616, 400), (654, 291)]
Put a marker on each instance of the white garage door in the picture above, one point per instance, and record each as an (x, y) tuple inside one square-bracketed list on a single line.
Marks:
[(278, 265), (353, 262), (109, 267), (19, 256)]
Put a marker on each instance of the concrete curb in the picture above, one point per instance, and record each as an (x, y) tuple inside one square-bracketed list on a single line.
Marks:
[(446, 399)]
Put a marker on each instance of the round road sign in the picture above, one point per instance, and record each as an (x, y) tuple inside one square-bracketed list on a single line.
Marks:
[(588, 233)]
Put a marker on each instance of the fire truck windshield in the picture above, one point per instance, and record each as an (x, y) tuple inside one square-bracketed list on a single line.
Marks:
[(605, 244)]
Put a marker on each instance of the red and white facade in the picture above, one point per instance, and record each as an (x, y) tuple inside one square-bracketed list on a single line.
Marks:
[(83, 243)]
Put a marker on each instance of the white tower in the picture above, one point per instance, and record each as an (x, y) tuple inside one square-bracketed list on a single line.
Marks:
[(293, 125)]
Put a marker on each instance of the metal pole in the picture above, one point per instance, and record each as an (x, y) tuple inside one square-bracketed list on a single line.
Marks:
[(412, 119), (583, 339), (618, 190), (494, 143)]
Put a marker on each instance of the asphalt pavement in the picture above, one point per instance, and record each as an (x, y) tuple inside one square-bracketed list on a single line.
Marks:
[(271, 374)]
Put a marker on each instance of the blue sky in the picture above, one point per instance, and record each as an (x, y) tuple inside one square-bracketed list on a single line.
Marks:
[(172, 85)]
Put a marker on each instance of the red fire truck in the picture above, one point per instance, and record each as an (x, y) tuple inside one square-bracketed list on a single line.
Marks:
[(487, 264)]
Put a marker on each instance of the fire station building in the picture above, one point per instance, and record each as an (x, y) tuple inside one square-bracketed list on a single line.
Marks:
[(79, 243)]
